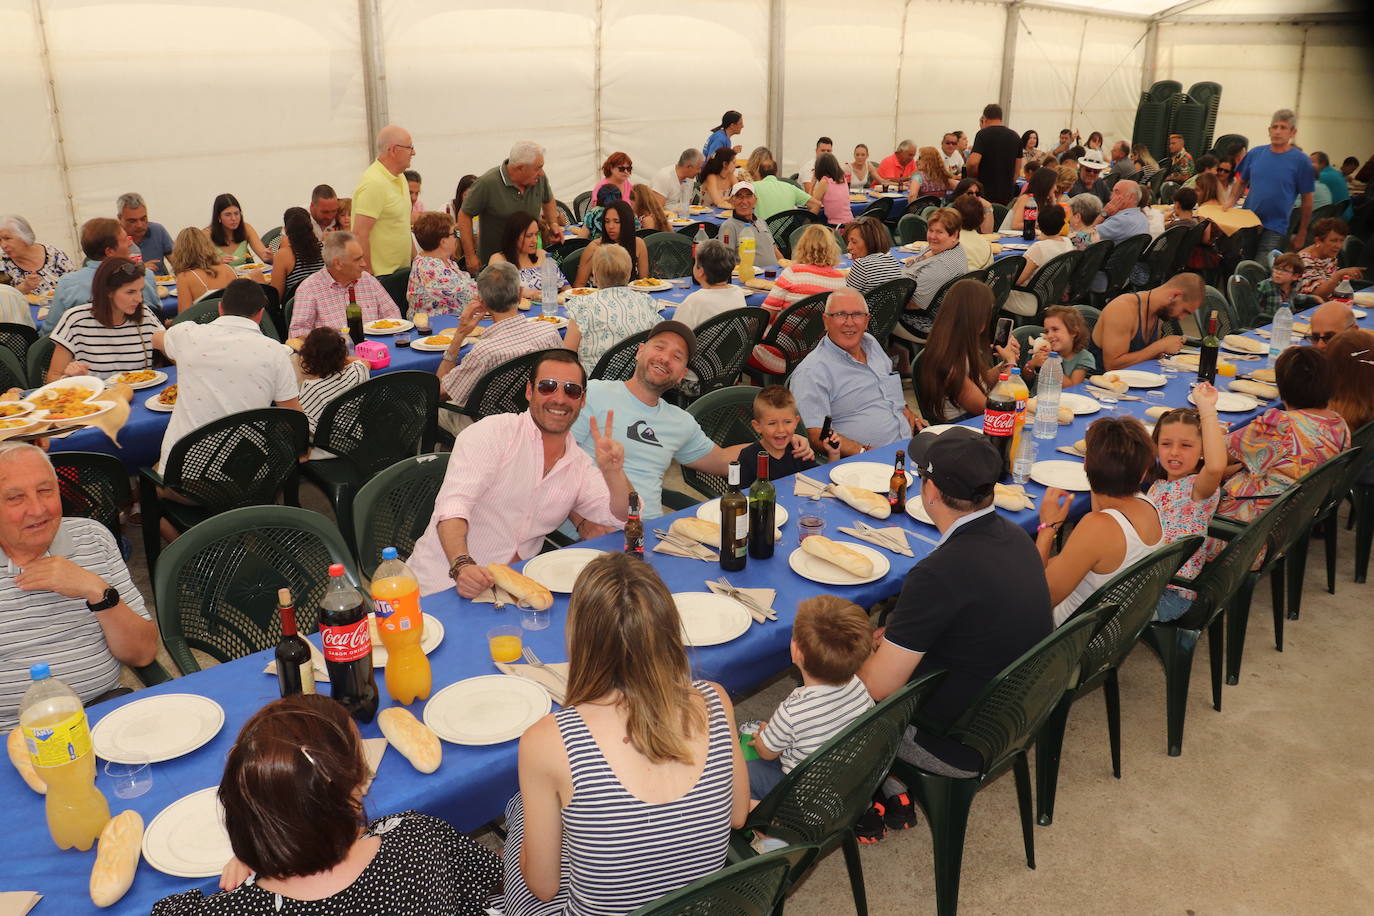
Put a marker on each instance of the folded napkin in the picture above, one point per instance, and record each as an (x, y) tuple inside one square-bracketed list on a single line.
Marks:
[(1071, 450), (553, 677), (17, 903), (373, 749), (763, 597), (676, 549), (317, 659), (488, 596), (882, 537), (805, 486)]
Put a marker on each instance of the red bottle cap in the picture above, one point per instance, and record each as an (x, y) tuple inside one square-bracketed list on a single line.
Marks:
[(336, 569)]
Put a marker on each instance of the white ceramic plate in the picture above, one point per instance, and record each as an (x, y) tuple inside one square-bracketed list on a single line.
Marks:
[(557, 321), (1235, 343), (866, 475), (158, 378), (1359, 313), (892, 194), (92, 386), (557, 570), (657, 286), (1010, 232), (709, 511), (371, 326), (917, 510), (429, 640), (818, 570), (419, 344), (1080, 404), (187, 839), (152, 403), (1231, 402), (709, 619), (581, 291), (490, 709), (1139, 378), (1066, 475), (24, 421), (161, 727), (15, 409)]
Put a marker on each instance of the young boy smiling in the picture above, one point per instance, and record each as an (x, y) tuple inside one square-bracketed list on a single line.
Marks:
[(775, 422)]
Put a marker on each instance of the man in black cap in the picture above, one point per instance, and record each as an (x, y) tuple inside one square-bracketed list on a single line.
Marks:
[(971, 607), (653, 431)]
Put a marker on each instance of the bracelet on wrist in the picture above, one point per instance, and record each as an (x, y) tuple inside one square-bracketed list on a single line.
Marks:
[(1049, 526), (458, 562)]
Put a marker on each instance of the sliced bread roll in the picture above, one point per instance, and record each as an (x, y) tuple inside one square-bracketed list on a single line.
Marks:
[(116, 858), (526, 591), (1110, 381), (1011, 498), (866, 501), (1258, 389), (1263, 375), (695, 529), (412, 738), (19, 756), (1159, 410), (846, 558)]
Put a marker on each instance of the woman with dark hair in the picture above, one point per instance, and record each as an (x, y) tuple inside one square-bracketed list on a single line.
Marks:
[(616, 171), (618, 228), (657, 745), (869, 247), (438, 285), (832, 190), (1030, 146), (232, 234), (954, 376), (1041, 188), (1281, 445), (1095, 140), (1122, 527), (520, 246), (111, 333), (325, 371), (292, 794), (299, 255), (717, 177), (731, 123), (942, 261), (456, 205), (1321, 271)]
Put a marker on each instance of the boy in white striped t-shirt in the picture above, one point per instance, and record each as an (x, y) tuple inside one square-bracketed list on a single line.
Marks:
[(831, 639)]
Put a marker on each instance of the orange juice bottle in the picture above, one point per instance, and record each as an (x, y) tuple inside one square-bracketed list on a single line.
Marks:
[(1022, 394), (59, 743), (396, 600)]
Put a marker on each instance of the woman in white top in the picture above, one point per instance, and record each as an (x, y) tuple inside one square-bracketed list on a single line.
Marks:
[(200, 269), (113, 333), (600, 320), (1122, 527), (862, 172)]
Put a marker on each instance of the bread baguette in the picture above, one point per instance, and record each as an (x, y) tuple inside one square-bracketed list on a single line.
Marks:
[(412, 738), (19, 756), (1263, 375), (524, 589), (1258, 389), (866, 501), (116, 858), (1110, 381), (846, 558), (1159, 410), (695, 529), (1011, 498)]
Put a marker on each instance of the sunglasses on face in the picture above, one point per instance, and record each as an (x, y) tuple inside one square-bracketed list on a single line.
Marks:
[(627, 169), (547, 386), (1324, 337)]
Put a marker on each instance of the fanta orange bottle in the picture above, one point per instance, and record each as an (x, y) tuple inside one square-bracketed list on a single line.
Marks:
[(396, 600)]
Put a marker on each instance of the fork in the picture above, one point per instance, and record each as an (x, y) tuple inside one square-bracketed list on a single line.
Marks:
[(698, 550), (533, 660), (746, 599), (887, 540)]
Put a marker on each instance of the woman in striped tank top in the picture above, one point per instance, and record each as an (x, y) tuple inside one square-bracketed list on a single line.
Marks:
[(630, 790)]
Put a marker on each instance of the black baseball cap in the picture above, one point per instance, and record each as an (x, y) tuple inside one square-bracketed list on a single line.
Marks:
[(961, 462), (688, 336)]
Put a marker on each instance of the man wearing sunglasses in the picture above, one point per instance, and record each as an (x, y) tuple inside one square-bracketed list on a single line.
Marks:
[(1328, 320), (654, 432), (514, 478)]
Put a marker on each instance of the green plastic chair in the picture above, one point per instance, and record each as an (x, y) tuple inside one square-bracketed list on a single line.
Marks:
[(885, 304), (371, 427), (93, 485), (580, 204), (785, 222), (1132, 596), (910, 228), (216, 587), (17, 338), (567, 247), (1050, 283), (824, 796), (1214, 303), (207, 310), (1094, 257), (1327, 516), (39, 358), (395, 284), (1119, 264), (243, 459), (394, 508), (12, 373), (1224, 586), (271, 235), (1023, 336), (724, 416), (501, 390), (879, 209), (617, 363), (724, 343), (571, 262), (670, 255), (1001, 276), (1001, 724), (751, 888), (1244, 301), (794, 333), (1090, 316), (1253, 271), (999, 213)]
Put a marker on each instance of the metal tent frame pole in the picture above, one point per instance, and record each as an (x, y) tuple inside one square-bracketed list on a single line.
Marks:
[(374, 72), (58, 137)]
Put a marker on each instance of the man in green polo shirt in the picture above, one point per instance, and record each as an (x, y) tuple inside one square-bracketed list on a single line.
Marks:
[(775, 196), (517, 185), (381, 204)]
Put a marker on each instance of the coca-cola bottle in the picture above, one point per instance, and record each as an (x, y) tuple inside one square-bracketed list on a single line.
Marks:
[(348, 647), (999, 420)]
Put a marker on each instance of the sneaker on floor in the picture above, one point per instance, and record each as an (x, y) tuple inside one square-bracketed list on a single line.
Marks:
[(871, 827), (899, 813)]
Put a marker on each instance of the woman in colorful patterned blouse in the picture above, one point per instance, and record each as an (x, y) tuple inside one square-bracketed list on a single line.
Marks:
[(32, 267), (438, 286)]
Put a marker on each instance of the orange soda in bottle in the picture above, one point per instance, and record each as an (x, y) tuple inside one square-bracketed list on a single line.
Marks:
[(1022, 395), (59, 744), (396, 600)]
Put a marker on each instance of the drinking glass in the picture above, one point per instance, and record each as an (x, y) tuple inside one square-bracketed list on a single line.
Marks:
[(532, 619), (130, 779), (504, 643), (809, 524)]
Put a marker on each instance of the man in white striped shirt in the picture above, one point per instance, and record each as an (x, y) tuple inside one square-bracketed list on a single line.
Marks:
[(65, 594)]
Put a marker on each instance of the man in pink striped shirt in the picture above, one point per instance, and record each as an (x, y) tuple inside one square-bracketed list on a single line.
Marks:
[(322, 298), (513, 478)]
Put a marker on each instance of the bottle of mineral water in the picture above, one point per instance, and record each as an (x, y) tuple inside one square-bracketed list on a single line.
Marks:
[(1047, 398), (1281, 333)]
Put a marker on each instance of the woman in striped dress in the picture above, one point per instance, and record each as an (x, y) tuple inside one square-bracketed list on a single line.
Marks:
[(814, 269), (630, 790), (112, 333)]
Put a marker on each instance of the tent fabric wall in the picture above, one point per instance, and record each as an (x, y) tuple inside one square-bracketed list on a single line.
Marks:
[(32, 185)]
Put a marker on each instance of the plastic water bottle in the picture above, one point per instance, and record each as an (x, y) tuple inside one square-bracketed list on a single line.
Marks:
[(1025, 457), (58, 739), (548, 287), (1047, 398), (1281, 332), (1344, 291)]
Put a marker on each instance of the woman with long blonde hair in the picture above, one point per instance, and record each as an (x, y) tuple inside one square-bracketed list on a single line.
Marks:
[(200, 267), (814, 269), (630, 790), (648, 210)]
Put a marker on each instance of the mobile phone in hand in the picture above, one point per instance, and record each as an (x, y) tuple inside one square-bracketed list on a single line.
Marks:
[(1003, 334)]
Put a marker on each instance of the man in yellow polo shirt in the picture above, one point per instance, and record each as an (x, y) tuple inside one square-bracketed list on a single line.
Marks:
[(381, 204)]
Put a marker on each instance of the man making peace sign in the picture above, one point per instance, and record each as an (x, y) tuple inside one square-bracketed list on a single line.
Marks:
[(513, 478)]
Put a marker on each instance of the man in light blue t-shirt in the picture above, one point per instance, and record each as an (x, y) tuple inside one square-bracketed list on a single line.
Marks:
[(653, 431), (1275, 175)]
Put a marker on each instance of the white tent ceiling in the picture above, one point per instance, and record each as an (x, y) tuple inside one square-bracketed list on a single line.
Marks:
[(184, 99)]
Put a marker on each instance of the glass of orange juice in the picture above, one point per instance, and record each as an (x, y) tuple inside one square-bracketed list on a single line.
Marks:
[(504, 643), (1226, 369)]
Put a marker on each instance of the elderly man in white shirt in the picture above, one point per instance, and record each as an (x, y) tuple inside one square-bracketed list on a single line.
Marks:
[(675, 185)]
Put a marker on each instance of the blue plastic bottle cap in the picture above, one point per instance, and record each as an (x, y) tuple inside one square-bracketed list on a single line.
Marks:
[(388, 553), (39, 671)]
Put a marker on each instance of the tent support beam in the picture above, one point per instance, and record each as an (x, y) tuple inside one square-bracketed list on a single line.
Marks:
[(374, 72), (777, 71), (1272, 19), (897, 92), (596, 81), (1302, 68), (1009, 37), (59, 139), (1150, 64)]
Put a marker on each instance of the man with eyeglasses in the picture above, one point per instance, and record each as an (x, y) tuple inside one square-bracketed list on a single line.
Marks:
[(381, 204), (850, 379), (654, 432), (513, 478), (1328, 320)]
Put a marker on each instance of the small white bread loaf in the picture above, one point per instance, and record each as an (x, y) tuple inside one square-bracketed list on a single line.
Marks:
[(866, 501), (1081, 446), (19, 756), (1011, 498), (1263, 375), (526, 590), (116, 858), (851, 561), (1065, 415), (1258, 389), (694, 529), (1111, 381), (412, 738), (421, 320), (1154, 413)]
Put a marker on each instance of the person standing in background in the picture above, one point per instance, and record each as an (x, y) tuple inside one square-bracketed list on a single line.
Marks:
[(731, 123), (996, 157), (382, 204), (1275, 175)]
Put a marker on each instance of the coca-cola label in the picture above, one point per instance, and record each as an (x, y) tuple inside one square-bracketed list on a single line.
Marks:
[(346, 643), (999, 422)]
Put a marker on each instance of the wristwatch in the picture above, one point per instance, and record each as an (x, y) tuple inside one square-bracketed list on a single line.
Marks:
[(107, 601)]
